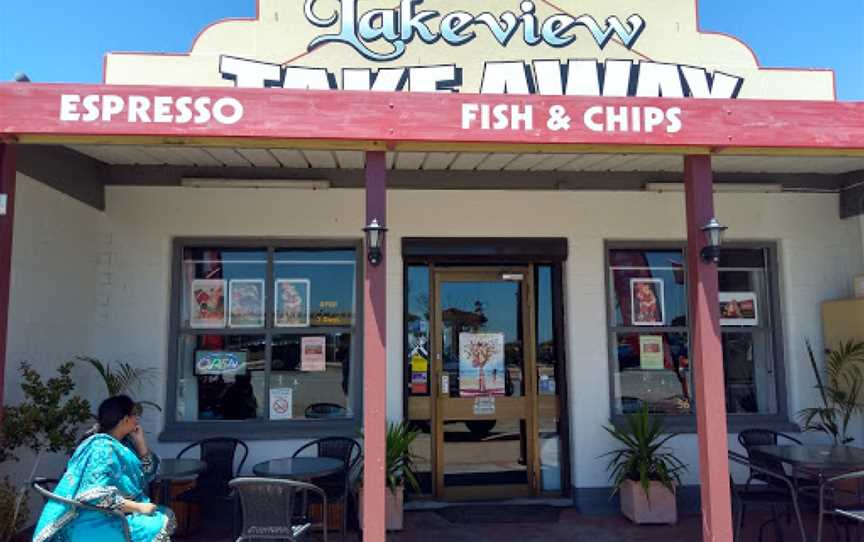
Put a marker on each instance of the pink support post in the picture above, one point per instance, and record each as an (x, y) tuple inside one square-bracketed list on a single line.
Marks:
[(7, 221), (707, 356), (375, 359)]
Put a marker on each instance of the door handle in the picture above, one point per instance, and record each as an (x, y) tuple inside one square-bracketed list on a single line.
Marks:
[(445, 384)]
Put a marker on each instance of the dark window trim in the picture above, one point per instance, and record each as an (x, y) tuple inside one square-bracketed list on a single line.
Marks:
[(484, 249), (687, 423), (559, 320), (179, 431)]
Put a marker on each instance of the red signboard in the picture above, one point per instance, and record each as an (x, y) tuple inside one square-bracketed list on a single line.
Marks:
[(42, 112)]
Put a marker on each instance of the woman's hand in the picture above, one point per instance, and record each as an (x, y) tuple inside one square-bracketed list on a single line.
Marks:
[(147, 508), (132, 507), (137, 436)]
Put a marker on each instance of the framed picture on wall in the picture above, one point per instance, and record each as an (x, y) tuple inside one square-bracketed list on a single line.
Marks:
[(246, 303), (292, 302), (738, 309), (207, 305), (647, 306)]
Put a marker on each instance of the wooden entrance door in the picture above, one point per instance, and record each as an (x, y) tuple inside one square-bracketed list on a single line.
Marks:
[(485, 408)]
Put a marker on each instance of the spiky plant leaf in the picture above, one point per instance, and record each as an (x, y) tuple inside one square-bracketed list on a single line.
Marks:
[(122, 378), (841, 391), (642, 457)]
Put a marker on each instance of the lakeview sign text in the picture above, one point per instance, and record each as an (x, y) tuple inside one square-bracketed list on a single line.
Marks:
[(385, 35)]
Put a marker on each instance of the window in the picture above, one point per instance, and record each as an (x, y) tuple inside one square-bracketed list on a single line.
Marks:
[(649, 331), (747, 325), (265, 333)]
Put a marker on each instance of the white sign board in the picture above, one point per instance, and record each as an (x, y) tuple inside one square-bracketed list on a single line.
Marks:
[(281, 403)]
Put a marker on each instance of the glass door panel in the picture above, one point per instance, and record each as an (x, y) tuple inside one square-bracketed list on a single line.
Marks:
[(486, 448)]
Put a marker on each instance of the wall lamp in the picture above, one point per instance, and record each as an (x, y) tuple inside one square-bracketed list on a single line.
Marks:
[(714, 238), (374, 240)]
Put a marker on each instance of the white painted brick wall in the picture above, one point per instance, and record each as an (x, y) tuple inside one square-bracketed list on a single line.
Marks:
[(131, 270)]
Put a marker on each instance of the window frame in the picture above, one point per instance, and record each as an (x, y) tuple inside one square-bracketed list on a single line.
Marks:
[(686, 423), (262, 429)]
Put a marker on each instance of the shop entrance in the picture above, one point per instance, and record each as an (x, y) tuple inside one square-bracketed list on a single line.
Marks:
[(485, 418), (485, 382)]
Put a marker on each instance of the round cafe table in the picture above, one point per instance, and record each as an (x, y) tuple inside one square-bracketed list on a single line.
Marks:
[(823, 460), (298, 468), (176, 469)]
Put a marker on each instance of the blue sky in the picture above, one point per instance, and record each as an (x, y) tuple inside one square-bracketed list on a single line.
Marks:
[(64, 41)]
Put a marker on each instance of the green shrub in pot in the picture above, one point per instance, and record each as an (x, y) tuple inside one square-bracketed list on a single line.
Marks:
[(50, 420), (398, 472), (643, 470)]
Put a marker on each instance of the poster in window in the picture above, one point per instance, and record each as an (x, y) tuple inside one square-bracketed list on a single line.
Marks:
[(312, 353), (292, 302), (651, 352), (646, 302), (246, 303), (207, 308), (738, 309), (281, 403), (481, 364)]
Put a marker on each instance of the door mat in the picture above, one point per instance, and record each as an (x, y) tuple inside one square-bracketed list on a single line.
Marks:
[(532, 513)]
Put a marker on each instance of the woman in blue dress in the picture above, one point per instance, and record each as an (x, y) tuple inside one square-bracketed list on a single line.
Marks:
[(106, 472)]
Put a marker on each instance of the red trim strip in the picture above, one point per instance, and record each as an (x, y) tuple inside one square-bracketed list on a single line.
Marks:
[(434, 118), (7, 186)]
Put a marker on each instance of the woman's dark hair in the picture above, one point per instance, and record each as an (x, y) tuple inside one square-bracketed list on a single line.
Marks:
[(113, 410)]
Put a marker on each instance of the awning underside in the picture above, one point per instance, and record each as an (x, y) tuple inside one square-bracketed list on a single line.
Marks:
[(214, 157)]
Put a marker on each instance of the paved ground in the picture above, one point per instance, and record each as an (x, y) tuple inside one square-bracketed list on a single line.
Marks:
[(429, 526)]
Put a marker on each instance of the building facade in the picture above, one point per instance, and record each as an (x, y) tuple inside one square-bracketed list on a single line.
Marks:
[(533, 295)]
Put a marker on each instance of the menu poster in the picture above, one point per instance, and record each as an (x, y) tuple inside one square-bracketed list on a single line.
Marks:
[(207, 305), (246, 306), (738, 309), (647, 306), (481, 364), (312, 353), (292, 302), (281, 403), (651, 352)]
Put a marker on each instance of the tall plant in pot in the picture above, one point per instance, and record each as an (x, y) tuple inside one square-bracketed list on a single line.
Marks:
[(643, 471), (399, 471), (841, 391)]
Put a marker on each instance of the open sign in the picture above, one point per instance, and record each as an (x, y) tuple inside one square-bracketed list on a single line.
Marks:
[(216, 363)]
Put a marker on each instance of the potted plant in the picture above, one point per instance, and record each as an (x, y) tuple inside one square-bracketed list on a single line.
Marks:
[(123, 378), (399, 470), (644, 474), (48, 420), (841, 391)]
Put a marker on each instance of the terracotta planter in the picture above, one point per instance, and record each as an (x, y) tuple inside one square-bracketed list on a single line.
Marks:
[(659, 508), (393, 513)]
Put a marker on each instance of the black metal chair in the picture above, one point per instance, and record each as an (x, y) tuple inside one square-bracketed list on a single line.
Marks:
[(276, 509), (830, 502), (39, 484), (337, 486), (212, 485), (779, 494), (765, 437)]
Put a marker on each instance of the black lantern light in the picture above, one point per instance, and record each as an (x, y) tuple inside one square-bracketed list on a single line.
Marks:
[(374, 240), (714, 238)]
